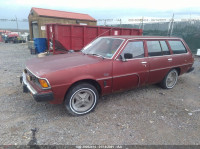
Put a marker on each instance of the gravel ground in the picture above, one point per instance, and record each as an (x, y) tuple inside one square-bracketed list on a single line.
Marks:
[(147, 115)]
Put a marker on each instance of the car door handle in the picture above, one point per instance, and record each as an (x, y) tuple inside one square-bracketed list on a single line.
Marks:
[(169, 59), (143, 62)]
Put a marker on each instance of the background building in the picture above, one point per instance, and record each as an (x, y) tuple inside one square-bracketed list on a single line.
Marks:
[(38, 17)]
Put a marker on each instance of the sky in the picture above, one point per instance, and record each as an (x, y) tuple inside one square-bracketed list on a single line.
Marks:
[(105, 9)]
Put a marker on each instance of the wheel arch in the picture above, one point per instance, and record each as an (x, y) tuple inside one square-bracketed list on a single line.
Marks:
[(178, 69), (90, 81)]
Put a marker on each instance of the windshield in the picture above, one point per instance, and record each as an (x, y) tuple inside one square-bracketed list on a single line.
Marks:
[(104, 47)]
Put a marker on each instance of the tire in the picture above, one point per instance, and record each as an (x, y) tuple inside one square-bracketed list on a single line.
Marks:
[(81, 99), (170, 79)]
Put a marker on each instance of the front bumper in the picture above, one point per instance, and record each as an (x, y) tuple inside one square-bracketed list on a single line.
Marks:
[(37, 96)]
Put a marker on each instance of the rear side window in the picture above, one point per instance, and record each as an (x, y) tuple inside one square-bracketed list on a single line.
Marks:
[(164, 47), (133, 49), (177, 47), (157, 48), (154, 48)]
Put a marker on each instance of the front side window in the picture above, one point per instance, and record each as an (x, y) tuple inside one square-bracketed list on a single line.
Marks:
[(133, 49), (177, 47), (104, 47)]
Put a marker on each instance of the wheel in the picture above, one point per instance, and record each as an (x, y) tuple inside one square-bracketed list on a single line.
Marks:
[(81, 99), (170, 79)]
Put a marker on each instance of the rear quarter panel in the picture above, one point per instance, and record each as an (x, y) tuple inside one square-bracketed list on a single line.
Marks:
[(184, 61)]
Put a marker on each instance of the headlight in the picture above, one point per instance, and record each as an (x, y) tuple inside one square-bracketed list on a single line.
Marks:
[(43, 83)]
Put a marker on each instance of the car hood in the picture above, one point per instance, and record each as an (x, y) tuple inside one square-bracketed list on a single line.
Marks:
[(48, 64)]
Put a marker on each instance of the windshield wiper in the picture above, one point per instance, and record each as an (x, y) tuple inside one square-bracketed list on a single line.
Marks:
[(83, 52), (97, 55)]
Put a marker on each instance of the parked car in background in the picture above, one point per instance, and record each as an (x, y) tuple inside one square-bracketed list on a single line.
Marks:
[(14, 38), (107, 65), (11, 38)]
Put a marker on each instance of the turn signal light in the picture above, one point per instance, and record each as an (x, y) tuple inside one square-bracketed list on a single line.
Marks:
[(43, 83)]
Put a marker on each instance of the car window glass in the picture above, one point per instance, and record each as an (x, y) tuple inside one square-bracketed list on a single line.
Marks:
[(133, 50), (105, 47), (154, 48), (165, 49), (177, 47)]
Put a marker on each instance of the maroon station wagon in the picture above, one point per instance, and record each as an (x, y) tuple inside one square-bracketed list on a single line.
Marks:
[(106, 65)]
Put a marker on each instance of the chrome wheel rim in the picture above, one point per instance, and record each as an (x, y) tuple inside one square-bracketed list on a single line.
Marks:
[(83, 100), (171, 79)]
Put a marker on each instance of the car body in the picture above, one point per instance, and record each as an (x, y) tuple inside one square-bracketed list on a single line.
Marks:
[(107, 65)]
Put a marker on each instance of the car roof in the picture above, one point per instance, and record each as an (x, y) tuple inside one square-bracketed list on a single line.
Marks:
[(143, 37)]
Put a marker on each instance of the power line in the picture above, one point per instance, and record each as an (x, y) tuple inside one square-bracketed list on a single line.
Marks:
[(13, 20)]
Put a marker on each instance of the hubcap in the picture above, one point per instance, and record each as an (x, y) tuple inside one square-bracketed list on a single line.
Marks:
[(171, 79), (82, 100)]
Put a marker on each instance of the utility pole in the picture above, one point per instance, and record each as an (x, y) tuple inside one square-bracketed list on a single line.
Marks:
[(171, 26), (120, 22), (142, 23), (105, 22), (17, 25)]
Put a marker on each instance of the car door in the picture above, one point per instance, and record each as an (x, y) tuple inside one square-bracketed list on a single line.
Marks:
[(160, 60), (131, 68)]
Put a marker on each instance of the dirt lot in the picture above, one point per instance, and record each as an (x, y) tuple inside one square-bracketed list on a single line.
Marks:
[(148, 115)]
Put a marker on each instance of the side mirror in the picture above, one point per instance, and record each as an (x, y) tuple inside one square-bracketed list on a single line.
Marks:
[(122, 58), (128, 56)]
